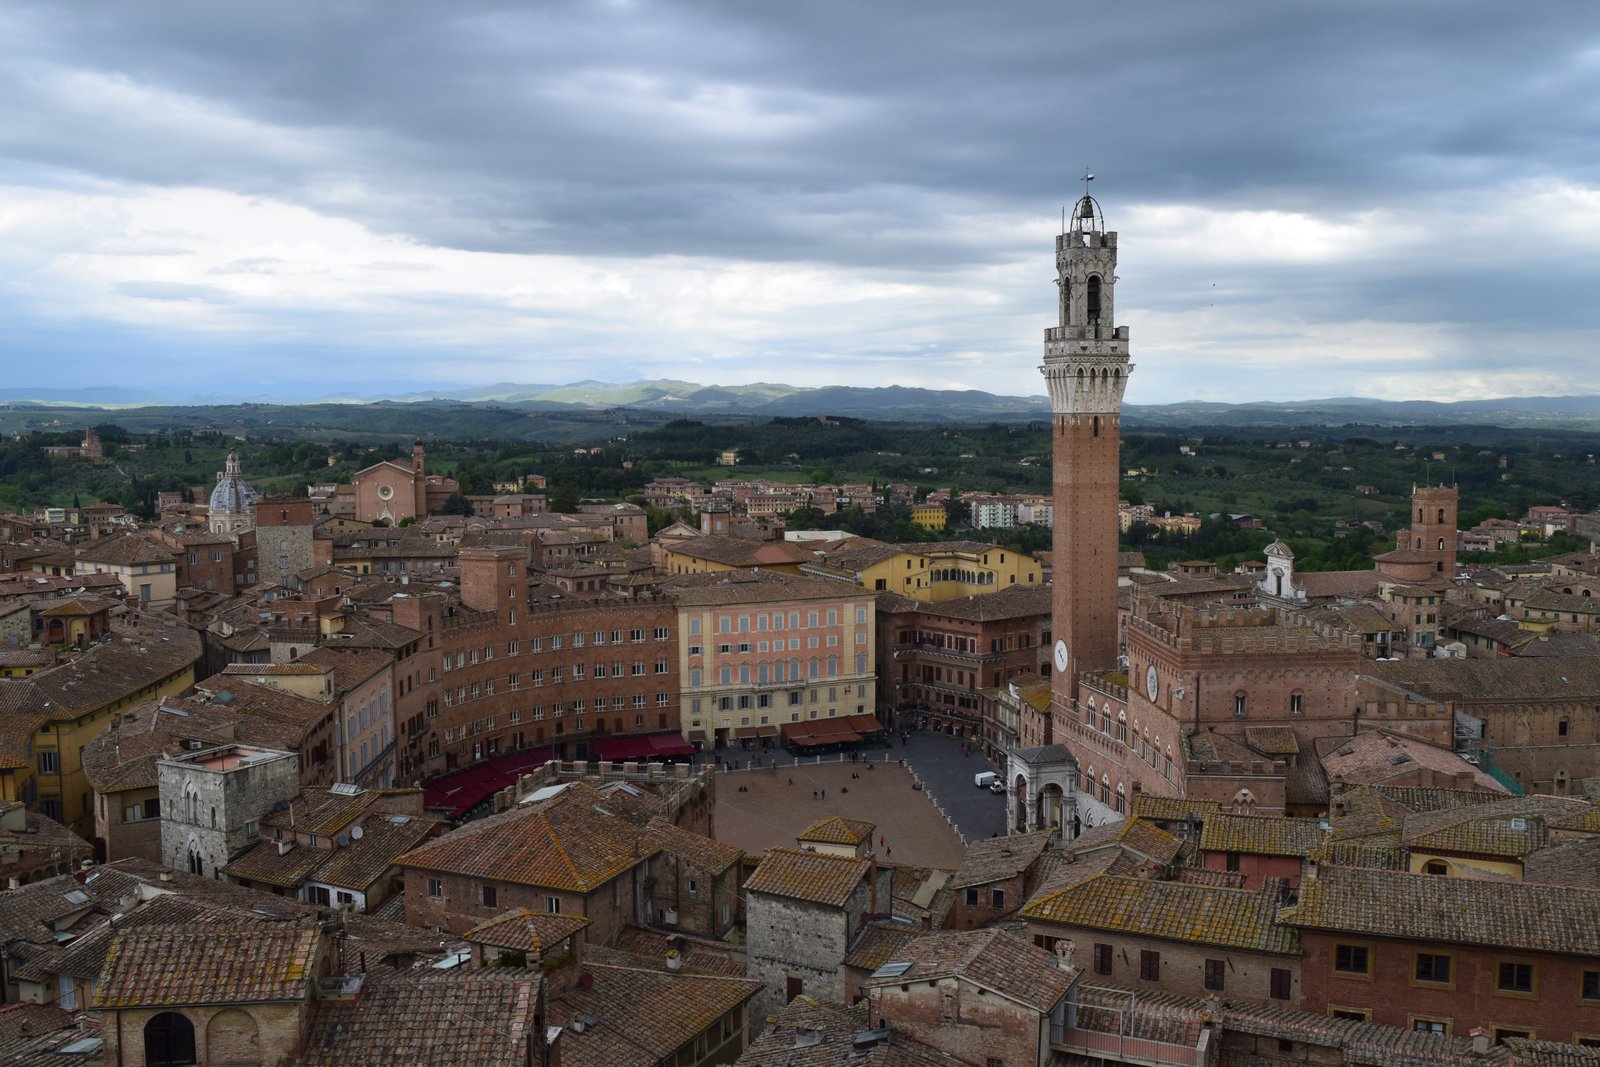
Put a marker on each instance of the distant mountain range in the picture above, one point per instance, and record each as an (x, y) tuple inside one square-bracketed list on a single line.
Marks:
[(890, 403)]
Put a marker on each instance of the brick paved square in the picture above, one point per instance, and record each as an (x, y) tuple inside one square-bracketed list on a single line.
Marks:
[(772, 811)]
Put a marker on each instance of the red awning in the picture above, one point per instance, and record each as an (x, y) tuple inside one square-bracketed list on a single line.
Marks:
[(464, 790), (621, 748), (670, 745), (814, 734), (862, 724), (636, 747)]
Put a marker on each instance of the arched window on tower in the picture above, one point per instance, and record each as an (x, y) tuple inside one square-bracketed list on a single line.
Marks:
[(1441, 544), (1441, 514), (1094, 300)]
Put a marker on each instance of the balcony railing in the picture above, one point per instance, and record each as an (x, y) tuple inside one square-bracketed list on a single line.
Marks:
[(1125, 1047)]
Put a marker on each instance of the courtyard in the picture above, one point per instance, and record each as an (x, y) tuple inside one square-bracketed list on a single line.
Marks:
[(766, 806)]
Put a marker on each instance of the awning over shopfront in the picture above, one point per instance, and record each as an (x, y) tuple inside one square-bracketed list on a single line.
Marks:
[(462, 791), (816, 734), (617, 749), (640, 747), (669, 745)]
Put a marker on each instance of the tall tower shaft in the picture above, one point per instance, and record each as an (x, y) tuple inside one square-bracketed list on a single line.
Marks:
[(1085, 370)]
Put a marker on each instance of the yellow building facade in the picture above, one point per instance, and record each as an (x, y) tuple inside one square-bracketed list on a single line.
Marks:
[(54, 714)]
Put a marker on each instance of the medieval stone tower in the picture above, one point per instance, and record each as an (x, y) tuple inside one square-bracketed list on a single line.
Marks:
[(1433, 525), (1085, 369)]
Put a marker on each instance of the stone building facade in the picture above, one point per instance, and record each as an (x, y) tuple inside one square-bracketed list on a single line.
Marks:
[(212, 802), (802, 910), (285, 544)]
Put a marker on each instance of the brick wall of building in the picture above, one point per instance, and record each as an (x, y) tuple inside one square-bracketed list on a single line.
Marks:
[(459, 904), (1246, 975), (1389, 992)]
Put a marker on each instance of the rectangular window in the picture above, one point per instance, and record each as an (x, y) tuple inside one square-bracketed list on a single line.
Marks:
[(997, 898), (1589, 988), (1102, 959), (1515, 978), (1281, 981), (972, 898), (490, 896), (552, 905), (1150, 965), (1430, 1026), (435, 888), (1215, 970), (1352, 959), (1432, 968), (49, 762)]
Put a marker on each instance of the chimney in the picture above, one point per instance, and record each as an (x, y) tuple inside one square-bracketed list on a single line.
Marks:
[(1480, 1041)]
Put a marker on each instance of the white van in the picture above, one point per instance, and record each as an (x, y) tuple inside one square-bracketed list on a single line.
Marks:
[(983, 779)]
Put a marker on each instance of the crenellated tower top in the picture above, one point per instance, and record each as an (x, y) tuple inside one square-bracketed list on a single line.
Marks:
[(1086, 355)]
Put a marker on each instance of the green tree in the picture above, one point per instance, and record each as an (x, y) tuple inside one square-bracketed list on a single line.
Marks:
[(564, 500), (456, 504)]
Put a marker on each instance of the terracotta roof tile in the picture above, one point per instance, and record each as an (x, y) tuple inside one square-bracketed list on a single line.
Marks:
[(482, 1017), (567, 842), (712, 857), (525, 930), (838, 830), (810, 876), (1179, 912), (1261, 835), (1533, 918), (157, 966), (1008, 965), (991, 859), (643, 1015)]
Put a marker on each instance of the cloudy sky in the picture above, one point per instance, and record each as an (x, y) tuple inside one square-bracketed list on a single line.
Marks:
[(1354, 198)]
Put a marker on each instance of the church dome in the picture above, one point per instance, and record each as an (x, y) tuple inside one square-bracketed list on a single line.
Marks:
[(232, 493)]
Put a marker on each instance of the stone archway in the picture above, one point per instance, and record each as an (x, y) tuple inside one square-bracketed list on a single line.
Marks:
[(169, 1041), (232, 1037)]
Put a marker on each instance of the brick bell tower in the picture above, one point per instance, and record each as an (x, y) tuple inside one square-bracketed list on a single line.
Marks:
[(1085, 369)]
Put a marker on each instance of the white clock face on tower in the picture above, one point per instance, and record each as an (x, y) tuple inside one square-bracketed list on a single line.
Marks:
[(1061, 656), (1152, 684)]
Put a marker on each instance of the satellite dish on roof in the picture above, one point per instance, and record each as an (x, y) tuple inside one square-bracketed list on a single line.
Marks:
[(356, 833)]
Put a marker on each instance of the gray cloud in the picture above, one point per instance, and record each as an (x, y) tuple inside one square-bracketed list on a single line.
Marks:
[(905, 141)]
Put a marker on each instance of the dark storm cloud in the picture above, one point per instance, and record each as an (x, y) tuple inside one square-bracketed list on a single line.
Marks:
[(741, 128), (886, 137)]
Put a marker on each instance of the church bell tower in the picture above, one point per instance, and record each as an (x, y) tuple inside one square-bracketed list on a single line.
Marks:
[(1085, 369)]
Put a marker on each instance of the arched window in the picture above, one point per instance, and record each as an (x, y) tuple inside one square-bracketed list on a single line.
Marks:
[(1094, 300), (169, 1040), (1436, 867), (1122, 726), (1441, 544), (1297, 702), (1238, 704), (196, 863), (1441, 515)]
